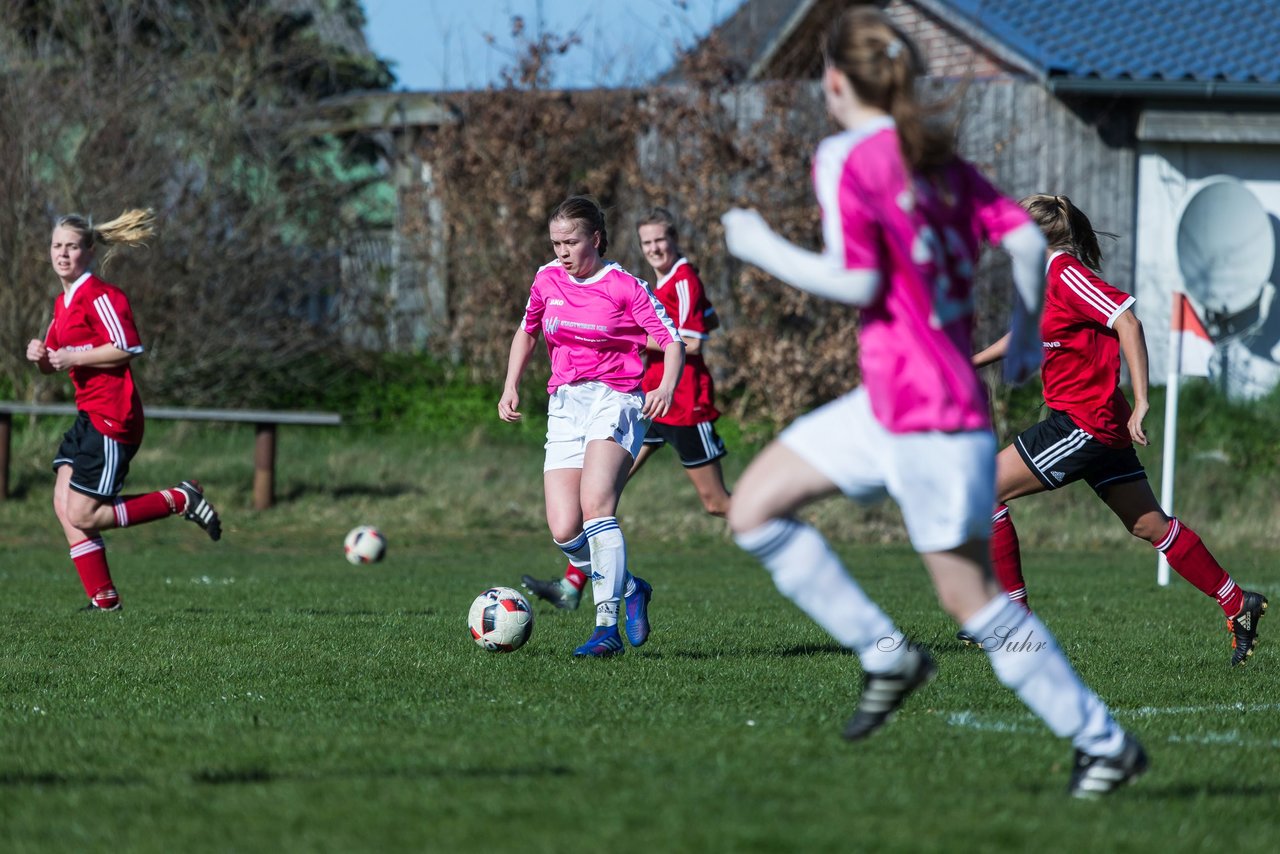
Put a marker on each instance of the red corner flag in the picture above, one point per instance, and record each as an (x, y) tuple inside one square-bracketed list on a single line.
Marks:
[(1195, 348)]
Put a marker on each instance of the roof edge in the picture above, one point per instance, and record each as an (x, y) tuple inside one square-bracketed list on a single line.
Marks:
[(798, 14), (974, 30)]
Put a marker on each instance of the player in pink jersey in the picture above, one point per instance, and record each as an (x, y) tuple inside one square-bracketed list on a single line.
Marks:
[(93, 338), (1091, 429), (689, 425), (902, 219), (595, 318)]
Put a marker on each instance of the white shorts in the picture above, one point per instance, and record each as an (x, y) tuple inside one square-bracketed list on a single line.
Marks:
[(584, 412), (944, 483)]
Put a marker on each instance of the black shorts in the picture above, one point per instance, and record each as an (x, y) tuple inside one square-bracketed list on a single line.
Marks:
[(98, 463), (1058, 452), (696, 445)]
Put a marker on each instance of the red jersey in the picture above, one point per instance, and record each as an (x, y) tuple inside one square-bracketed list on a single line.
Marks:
[(92, 314), (681, 294), (1081, 369)]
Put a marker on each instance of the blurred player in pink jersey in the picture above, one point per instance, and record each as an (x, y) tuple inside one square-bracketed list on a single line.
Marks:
[(689, 425), (903, 220), (1090, 431), (595, 318), (93, 338)]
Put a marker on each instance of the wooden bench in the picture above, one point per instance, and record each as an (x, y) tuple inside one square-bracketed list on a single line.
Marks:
[(264, 449)]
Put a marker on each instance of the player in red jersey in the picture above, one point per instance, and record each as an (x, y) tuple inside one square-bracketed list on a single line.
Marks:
[(93, 338), (689, 425), (1091, 429)]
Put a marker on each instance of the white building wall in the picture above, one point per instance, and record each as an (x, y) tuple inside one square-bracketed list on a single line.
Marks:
[(1168, 173)]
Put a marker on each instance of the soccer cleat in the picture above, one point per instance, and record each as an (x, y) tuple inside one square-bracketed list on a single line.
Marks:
[(1244, 627), (556, 591), (1095, 776), (199, 510), (883, 693), (603, 643), (93, 607), (967, 638), (637, 605)]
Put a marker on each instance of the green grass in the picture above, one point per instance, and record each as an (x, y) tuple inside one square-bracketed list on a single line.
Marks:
[(260, 694)]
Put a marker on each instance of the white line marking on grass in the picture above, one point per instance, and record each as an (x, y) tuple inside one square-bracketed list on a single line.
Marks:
[(1027, 723), (1157, 711)]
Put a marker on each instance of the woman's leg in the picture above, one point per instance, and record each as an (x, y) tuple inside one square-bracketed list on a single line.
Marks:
[(77, 514), (1136, 506), (1013, 480)]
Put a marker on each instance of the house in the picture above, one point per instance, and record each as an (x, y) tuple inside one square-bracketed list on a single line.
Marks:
[(1127, 107)]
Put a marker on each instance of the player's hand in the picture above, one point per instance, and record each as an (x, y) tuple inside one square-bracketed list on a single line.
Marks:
[(745, 231), (62, 359), (508, 406), (36, 350), (658, 402), (1136, 433)]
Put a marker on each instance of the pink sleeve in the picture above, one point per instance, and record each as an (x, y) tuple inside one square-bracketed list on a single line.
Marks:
[(996, 213), (532, 322), (651, 316)]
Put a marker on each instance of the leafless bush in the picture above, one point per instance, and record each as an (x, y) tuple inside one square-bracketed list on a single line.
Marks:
[(185, 107)]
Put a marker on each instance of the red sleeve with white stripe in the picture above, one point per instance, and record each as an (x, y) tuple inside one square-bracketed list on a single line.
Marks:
[(1081, 288), (692, 310), (116, 316)]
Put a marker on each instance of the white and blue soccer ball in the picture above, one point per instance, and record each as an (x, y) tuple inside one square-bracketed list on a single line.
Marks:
[(500, 620), (365, 544)]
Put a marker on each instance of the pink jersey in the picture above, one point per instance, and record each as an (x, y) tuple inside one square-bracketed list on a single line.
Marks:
[(595, 328), (92, 314), (1081, 370), (923, 236)]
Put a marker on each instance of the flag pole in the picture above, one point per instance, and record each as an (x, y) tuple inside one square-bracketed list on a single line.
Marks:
[(1170, 425)]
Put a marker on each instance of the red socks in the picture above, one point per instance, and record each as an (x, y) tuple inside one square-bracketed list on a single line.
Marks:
[(136, 509), (1006, 557), (90, 558), (575, 576), (1191, 559)]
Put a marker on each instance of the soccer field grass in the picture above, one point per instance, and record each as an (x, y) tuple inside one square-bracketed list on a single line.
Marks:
[(260, 694)]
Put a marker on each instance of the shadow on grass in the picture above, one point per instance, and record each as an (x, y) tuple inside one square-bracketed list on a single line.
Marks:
[(801, 651), (250, 776), (240, 776), (313, 612), (348, 490)]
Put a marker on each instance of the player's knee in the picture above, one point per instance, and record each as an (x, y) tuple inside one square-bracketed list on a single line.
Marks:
[(1151, 527), (80, 516), (716, 505)]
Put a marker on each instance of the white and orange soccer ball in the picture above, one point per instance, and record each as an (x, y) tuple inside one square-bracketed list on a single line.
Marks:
[(500, 619), (365, 544)]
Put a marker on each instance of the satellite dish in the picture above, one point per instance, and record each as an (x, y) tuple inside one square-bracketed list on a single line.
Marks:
[(1226, 251)]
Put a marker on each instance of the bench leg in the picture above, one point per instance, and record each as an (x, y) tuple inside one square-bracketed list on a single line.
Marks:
[(264, 467), (6, 421)]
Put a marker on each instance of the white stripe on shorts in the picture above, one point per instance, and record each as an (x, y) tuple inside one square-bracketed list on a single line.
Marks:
[(1061, 449), (110, 463)]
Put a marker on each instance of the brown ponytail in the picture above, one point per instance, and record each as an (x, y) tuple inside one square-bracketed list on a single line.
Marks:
[(1066, 228), (882, 64)]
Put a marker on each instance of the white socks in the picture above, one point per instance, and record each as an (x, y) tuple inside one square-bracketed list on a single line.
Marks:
[(1026, 658), (609, 576), (809, 573)]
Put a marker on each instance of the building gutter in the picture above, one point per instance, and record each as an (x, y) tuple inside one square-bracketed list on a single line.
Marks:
[(1207, 89)]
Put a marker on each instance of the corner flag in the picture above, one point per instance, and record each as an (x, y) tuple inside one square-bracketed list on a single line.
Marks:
[(1190, 349)]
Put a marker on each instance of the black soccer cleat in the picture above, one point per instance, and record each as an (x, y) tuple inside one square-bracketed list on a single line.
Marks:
[(884, 693), (93, 608), (553, 591), (199, 510), (1095, 776), (1244, 627), (968, 638)]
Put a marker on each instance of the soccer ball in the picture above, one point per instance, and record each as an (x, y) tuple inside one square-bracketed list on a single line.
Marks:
[(500, 619), (365, 544)]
